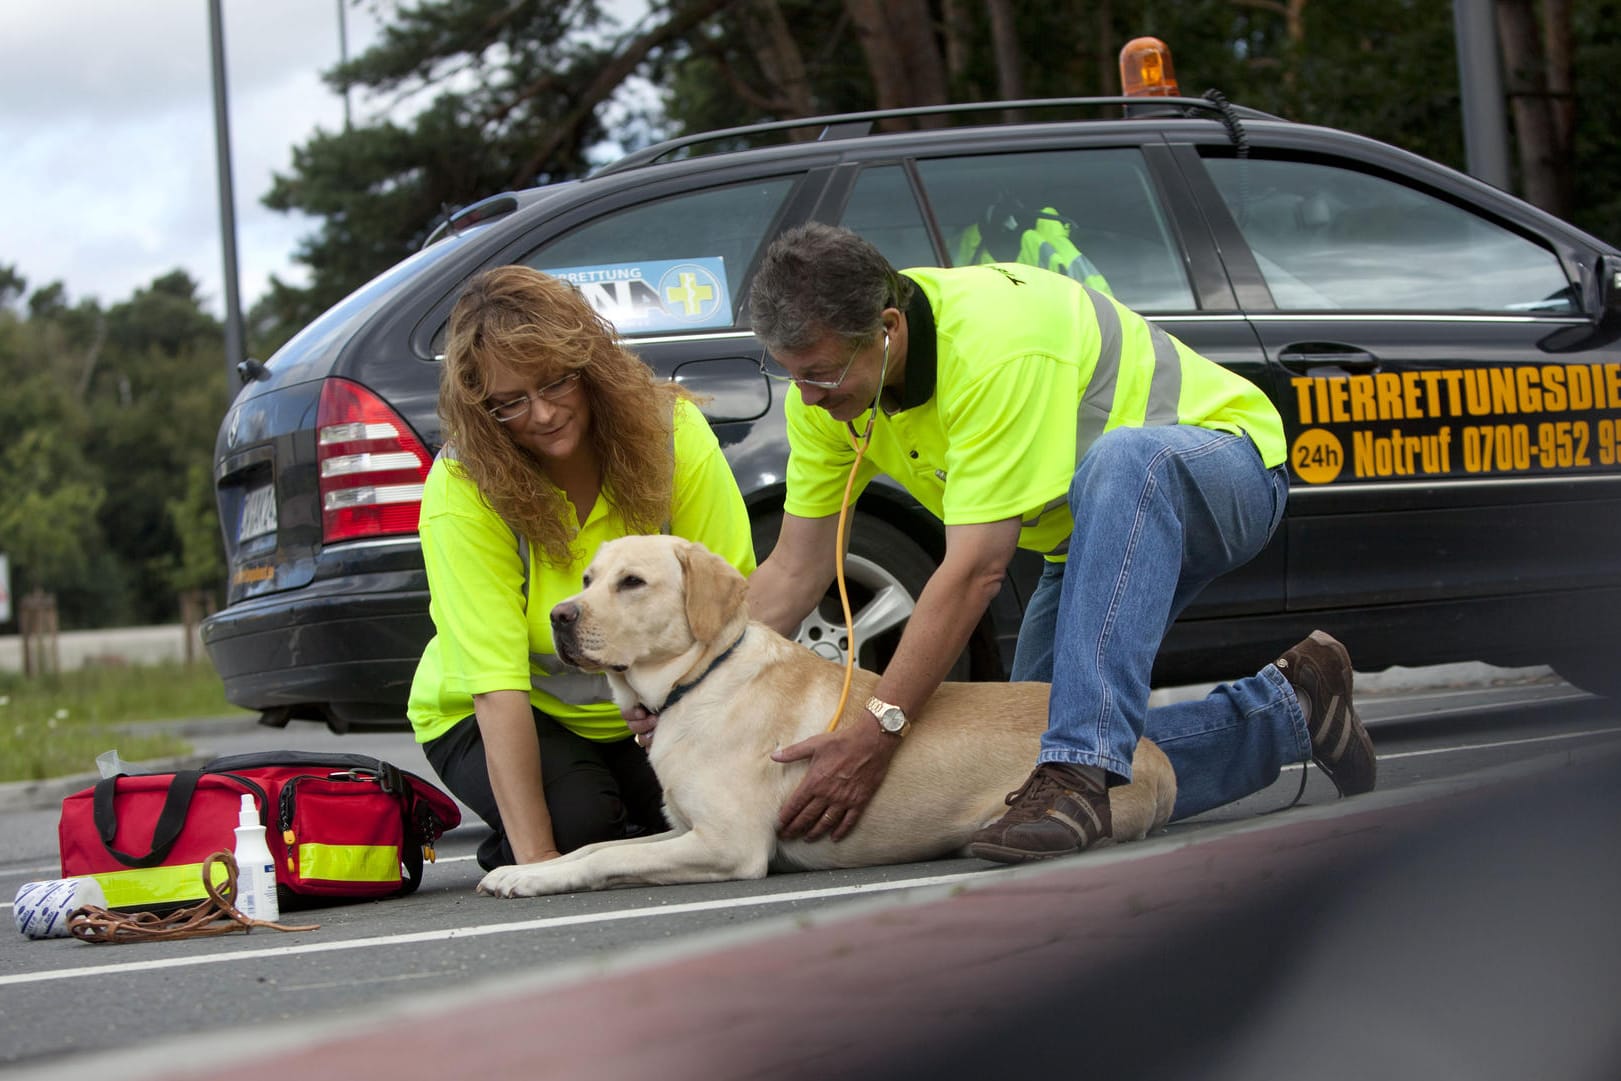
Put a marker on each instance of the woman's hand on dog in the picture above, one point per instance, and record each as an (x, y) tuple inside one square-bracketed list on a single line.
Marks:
[(846, 768), (641, 724)]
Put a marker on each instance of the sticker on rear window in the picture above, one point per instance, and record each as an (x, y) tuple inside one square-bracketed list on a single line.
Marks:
[(667, 294)]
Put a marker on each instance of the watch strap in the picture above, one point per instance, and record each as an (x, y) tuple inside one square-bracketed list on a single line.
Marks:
[(878, 707)]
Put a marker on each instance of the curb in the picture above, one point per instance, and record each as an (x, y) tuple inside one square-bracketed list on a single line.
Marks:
[(906, 951), (48, 793)]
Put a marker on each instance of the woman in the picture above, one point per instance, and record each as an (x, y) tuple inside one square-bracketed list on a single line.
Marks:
[(557, 439)]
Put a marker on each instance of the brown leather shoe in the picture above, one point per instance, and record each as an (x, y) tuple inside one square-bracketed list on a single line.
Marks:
[(1319, 668), (1059, 811)]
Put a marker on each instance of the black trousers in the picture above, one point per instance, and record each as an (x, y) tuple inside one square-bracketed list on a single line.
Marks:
[(594, 791)]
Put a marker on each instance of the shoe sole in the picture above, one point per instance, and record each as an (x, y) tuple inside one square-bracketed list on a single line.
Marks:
[(1357, 731), (995, 853)]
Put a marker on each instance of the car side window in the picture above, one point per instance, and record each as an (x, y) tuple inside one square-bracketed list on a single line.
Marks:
[(672, 264), (1334, 238), (1092, 214), (883, 209)]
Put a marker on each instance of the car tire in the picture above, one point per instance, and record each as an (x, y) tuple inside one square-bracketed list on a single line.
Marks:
[(1592, 672), (885, 572)]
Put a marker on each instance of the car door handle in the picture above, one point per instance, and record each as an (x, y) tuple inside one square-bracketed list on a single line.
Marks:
[(1311, 357)]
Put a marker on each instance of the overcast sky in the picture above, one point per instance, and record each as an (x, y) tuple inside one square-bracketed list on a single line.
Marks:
[(108, 174)]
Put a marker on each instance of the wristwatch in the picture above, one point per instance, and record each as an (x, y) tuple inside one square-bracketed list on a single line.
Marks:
[(891, 718)]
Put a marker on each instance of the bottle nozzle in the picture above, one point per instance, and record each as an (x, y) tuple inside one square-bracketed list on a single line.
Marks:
[(249, 814)]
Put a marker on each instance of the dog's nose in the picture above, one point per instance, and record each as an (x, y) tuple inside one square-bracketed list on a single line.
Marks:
[(565, 613)]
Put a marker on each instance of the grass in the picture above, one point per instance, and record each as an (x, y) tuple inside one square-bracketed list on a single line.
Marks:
[(56, 725)]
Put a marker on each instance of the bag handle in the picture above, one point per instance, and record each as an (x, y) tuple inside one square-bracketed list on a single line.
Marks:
[(171, 820)]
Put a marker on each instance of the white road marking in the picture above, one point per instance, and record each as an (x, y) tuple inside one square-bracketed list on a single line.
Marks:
[(492, 929), (1498, 743), (700, 906)]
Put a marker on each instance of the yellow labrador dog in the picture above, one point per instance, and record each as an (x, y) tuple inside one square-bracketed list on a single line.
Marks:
[(666, 619)]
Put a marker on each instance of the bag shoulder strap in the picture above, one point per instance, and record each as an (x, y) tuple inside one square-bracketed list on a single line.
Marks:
[(171, 820)]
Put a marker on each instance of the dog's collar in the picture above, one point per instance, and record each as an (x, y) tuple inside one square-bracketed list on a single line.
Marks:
[(680, 689)]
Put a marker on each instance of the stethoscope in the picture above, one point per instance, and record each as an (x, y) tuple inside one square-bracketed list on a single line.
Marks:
[(860, 444)]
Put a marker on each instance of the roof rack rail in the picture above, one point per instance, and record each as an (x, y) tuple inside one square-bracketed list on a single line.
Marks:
[(856, 125)]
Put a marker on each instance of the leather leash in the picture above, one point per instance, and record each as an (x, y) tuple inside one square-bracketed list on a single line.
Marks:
[(215, 915)]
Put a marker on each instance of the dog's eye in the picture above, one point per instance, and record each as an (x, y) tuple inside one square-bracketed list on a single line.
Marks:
[(586, 581), (630, 581)]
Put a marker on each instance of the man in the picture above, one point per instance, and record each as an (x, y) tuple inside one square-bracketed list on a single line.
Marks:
[(1008, 233), (1027, 410)]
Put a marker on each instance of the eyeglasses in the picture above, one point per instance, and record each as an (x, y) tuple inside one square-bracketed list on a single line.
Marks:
[(771, 369), (509, 411)]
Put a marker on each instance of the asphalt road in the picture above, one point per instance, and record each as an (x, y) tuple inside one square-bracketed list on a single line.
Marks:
[(64, 1004)]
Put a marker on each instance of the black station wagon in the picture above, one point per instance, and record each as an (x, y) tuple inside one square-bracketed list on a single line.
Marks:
[(1444, 356)]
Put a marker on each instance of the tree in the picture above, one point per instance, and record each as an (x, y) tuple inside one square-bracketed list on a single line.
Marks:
[(1537, 48), (198, 563), (154, 405), (1595, 158), (110, 418), (48, 504), (515, 85), (49, 491), (518, 89), (12, 285)]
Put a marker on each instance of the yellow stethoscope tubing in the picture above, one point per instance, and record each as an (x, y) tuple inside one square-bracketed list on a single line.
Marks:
[(860, 446)]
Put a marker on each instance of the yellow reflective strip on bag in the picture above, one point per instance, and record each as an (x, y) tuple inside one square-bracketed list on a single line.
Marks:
[(144, 887), (349, 863)]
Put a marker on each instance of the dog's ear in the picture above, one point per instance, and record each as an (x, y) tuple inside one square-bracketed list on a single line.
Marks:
[(715, 591)]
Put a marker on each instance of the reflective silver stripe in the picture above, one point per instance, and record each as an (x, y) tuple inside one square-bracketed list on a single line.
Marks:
[(1062, 548), (1165, 388), (1092, 415), (1098, 400), (568, 684), (523, 561), (1042, 513), (1044, 255)]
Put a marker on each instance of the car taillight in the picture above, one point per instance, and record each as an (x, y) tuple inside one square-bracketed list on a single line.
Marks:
[(371, 465)]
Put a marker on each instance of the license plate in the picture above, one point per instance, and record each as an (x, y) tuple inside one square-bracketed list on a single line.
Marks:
[(258, 513)]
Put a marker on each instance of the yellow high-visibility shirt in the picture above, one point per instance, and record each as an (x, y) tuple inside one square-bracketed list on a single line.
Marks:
[(1011, 373), (491, 638)]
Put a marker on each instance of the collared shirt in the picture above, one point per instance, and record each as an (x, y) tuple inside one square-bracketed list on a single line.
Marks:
[(492, 637), (1011, 373)]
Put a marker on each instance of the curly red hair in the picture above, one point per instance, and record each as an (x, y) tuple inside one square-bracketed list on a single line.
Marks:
[(517, 320)]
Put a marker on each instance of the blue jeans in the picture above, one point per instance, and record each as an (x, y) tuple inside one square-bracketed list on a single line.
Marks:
[(1159, 513)]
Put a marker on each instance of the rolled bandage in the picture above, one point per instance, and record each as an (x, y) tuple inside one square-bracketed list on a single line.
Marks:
[(42, 908)]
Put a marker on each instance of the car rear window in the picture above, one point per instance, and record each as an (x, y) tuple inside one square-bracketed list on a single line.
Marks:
[(339, 322), (670, 264)]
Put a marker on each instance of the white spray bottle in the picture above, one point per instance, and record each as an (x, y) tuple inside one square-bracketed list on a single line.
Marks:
[(255, 869)]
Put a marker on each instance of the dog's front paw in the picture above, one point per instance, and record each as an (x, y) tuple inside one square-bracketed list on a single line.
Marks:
[(523, 880)]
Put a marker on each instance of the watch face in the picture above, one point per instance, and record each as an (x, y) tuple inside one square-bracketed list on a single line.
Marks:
[(890, 718)]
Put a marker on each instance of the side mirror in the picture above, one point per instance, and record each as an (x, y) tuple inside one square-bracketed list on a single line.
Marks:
[(1606, 314), (1609, 286)]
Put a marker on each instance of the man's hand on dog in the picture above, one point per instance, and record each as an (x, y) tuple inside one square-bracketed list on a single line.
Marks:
[(846, 767)]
